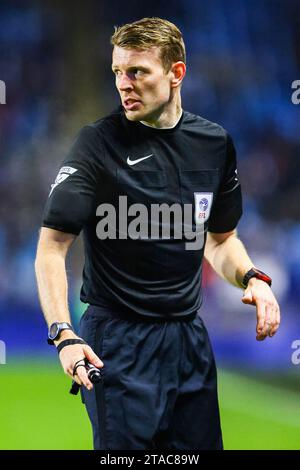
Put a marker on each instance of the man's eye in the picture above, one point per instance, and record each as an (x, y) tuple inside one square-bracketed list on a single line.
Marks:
[(138, 72)]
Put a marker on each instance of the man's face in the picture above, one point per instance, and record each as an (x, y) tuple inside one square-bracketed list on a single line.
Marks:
[(142, 82)]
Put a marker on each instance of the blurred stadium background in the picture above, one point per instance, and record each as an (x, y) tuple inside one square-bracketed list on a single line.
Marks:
[(242, 59)]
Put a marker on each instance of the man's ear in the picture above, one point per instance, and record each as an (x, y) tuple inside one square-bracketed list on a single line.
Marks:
[(178, 71)]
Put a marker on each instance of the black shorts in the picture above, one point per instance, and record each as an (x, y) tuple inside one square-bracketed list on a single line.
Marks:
[(159, 387)]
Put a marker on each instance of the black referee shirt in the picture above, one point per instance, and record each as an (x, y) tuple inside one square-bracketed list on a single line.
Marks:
[(192, 163)]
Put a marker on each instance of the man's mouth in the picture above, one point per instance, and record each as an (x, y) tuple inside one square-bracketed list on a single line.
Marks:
[(131, 103)]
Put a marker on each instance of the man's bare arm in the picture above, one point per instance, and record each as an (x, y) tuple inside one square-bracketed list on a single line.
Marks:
[(51, 275), (52, 284), (229, 258)]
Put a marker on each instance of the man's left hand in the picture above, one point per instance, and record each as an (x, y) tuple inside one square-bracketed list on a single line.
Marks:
[(260, 294)]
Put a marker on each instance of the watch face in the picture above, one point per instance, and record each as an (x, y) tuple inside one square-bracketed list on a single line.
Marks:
[(53, 331)]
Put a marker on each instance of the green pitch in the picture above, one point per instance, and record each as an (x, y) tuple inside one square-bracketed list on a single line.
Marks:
[(37, 412)]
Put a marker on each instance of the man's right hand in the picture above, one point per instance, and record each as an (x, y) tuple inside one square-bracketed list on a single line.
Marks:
[(73, 353)]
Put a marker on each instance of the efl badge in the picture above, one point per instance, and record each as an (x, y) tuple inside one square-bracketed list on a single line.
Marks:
[(63, 174), (203, 203)]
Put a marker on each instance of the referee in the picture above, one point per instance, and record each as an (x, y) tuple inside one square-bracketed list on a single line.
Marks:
[(142, 325)]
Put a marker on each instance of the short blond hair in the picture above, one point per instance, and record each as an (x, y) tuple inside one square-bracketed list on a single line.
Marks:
[(152, 32)]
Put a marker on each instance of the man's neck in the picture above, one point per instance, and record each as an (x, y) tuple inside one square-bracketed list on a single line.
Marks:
[(169, 116), (164, 124)]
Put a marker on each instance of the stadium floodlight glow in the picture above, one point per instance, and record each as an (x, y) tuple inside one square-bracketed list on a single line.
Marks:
[(2, 92)]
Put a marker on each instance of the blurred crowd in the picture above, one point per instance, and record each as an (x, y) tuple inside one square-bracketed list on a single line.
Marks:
[(242, 58)]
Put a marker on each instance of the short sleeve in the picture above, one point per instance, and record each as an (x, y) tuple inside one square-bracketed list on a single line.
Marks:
[(71, 202), (227, 208)]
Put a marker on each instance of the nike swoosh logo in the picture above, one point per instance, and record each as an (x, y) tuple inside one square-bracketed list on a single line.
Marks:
[(133, 162)]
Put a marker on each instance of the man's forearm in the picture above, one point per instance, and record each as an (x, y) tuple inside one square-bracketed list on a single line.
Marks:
[(229, 259), (52, 283), (52, 286)]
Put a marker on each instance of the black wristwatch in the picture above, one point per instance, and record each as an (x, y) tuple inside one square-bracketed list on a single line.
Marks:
[(253, 272), (55, 330)]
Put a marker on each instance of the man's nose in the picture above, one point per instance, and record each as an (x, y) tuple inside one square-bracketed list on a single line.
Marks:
[(124, 82)]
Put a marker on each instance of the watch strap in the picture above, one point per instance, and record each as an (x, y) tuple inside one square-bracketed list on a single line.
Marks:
[(253, 272)]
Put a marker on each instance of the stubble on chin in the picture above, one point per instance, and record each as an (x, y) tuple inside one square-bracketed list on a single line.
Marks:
[(132, 116)]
